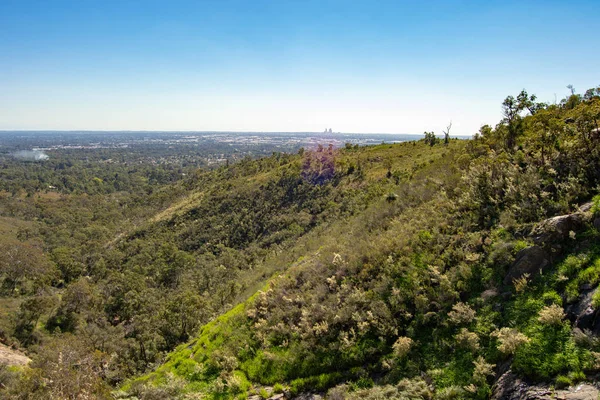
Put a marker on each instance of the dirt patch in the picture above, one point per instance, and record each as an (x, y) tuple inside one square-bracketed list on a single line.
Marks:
[(12, 357)]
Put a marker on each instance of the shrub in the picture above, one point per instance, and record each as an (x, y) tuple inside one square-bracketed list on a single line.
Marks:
[(482, 370), (551, 350), (278, 388), (510, 340), (596, 299), (467, 340), (450, 393), (521, 283), (577, 376), (551, 315), (263, 393), (563, 382), (596, 205), (402, 346), (461, 314)]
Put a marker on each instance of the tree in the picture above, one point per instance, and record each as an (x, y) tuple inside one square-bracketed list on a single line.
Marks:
[(447, 134), (529, 102), (573, 100), (66, 261), (430, 138), (546, 126), (21, 262), (65, 369), (511, 109), (29, 315)]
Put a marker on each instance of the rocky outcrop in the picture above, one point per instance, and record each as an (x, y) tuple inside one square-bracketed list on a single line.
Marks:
[(549, 237), (510, 387), (582, 314), (531, 260), (308, 396), (552, 231), (556, 229), (286, 395)]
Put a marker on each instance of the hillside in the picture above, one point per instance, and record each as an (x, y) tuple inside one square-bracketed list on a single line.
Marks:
[(445, 281), (418, 270)]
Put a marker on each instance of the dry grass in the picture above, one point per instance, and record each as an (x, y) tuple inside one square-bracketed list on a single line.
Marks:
[(10, 226), (179, 207), (12, 357)]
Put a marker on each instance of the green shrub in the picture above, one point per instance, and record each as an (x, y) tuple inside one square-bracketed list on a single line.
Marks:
[(596, 299), (278, 388), (363, 383), (577, 376), (596, 205), (562, 382), (551, 350)]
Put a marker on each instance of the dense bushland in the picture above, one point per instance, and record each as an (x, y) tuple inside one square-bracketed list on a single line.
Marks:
[(374, 271)]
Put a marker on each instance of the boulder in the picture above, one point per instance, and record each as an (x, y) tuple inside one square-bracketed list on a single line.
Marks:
[(582, 391), (531, 260), (511, 387), (308, 396), (597, 223), (557, 229), (586, 207), (582, 313)]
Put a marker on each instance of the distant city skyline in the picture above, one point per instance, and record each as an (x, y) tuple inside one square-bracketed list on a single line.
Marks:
[(286, 66)]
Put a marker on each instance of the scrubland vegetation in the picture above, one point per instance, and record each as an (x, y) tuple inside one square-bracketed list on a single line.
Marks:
[(363, 272)]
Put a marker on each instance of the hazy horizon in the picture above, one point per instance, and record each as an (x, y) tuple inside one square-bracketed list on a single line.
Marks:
[(269, 66), (213, 131)]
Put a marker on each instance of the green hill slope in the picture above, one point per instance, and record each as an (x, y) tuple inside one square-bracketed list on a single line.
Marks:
[(434, 284), (427, 269)]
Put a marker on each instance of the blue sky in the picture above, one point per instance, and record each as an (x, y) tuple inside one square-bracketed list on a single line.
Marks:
[(354, 66)]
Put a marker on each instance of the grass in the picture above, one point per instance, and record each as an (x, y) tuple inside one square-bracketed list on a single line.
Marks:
[(179, 207)]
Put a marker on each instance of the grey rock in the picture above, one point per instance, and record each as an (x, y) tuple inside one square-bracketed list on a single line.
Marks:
[(586, 207), (583, 314), (597, 223), (510, 387), (531, 260), (583, 391), (308, 396), (556, 229)]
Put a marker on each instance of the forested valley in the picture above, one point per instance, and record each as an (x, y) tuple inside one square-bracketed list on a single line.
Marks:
[(429, 269)]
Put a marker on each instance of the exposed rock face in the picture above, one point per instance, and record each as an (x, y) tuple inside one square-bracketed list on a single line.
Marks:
[(552, 231), (583, 314), (556, 229), (548, 236), (308, 396), (530, 261), (586, 207), (510, 387)]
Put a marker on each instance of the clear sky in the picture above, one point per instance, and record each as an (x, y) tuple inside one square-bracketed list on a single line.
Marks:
[(281, 65)]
